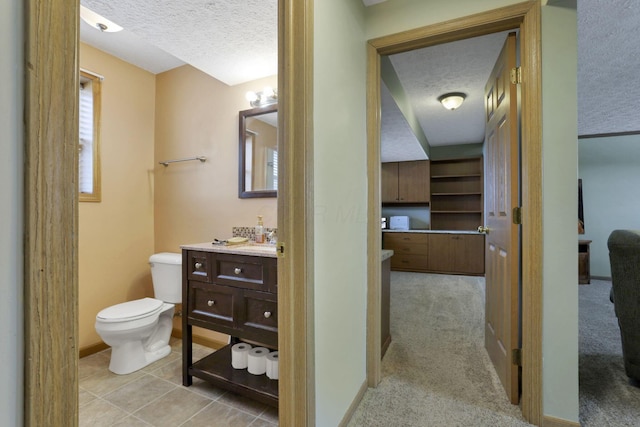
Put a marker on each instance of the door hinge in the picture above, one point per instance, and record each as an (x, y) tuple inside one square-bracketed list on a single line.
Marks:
[(516, 75), (516, 356), (280, 249), (517, 215)]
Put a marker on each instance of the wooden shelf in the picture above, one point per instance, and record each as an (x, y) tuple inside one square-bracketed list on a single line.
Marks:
[(457, 187), (216, 369)]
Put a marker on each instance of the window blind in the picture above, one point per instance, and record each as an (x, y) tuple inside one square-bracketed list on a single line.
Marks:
[(85, 172)]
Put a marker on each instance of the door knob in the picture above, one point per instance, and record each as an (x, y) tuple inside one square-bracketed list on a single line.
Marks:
[(198, 265), (484, 230)]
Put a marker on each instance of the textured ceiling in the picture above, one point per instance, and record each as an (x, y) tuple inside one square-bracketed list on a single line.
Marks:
[(608, 66), (236, 41), (233, 40), (462, 66), (397, 140)]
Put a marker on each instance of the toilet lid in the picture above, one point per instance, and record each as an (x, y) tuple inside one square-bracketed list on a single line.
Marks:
[(130, 310)]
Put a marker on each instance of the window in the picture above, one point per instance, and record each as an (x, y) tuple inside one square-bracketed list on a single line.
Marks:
[(89, 124)]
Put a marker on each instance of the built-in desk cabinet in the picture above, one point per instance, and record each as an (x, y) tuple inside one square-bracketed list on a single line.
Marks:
[(236, 295), (451, 253), (457, 253)]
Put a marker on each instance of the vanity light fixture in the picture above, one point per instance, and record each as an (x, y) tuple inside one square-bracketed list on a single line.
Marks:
[(98, 22), (268, 96), (452, 100)]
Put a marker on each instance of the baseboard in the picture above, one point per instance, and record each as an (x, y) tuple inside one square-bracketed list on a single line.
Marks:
[(92, 349), (207, 342), (176, 333), (605, 278), (548, 421), (354, 405)]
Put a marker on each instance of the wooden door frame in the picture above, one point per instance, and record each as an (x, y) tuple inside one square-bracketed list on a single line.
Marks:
[(51, 212), (526, 17)]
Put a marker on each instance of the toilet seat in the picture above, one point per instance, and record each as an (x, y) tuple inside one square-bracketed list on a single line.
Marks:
[(130, 310)]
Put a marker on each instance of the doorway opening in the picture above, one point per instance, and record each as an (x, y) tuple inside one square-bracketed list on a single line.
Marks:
[(525, 18)]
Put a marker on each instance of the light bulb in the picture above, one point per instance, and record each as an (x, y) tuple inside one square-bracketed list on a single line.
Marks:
[(268, 92), (251, 96)]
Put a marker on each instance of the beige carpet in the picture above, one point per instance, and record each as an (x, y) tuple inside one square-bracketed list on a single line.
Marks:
[(436, 371)]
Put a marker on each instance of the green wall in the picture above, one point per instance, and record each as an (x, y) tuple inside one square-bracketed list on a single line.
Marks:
[(559, 207), (11, 189), (340, 204), (560, 385)]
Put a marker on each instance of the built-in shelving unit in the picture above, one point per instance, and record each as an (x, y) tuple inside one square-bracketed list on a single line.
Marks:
[(457, 194)]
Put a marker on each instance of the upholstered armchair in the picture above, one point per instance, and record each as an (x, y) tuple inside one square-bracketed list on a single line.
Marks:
[(624, 255)]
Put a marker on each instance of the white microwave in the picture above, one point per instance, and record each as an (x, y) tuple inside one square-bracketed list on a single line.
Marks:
[(399, 223)]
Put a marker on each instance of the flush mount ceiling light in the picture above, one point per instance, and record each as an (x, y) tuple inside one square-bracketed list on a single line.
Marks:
[(268, 96), (97, 21), (452, 100)]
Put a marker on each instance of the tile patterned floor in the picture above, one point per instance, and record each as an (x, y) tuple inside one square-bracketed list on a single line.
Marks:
[(154, 396)]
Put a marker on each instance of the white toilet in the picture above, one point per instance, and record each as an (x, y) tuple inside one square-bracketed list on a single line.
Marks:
[(139, 331)]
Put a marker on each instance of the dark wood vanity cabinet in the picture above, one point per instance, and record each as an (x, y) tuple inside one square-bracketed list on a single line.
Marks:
[(236, 295)]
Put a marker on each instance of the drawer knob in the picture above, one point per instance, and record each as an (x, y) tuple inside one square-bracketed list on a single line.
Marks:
[(237, 270), (267, 314), (198, 265), (210, 302)]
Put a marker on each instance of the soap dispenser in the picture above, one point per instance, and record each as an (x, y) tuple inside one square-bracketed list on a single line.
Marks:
[(259, 230)]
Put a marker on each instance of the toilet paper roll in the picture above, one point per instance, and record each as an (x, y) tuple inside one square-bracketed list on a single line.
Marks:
[(257, 360), (272, 365), (239, 353)]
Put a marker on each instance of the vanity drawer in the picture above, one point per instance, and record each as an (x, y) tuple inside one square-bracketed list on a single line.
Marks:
[(211, 303), (247, 272), (198, 265), (261, 315)]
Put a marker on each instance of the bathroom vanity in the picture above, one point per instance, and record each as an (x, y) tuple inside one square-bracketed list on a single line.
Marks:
[(233, 290)]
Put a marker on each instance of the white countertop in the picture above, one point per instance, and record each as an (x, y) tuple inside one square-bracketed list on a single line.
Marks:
[(433, 231), (250, 248)]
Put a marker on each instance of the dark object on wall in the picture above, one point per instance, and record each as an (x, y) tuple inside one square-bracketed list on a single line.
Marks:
[(580, 209), (624, 256)]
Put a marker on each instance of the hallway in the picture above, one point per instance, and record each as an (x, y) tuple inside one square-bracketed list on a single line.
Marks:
[(436, 371)]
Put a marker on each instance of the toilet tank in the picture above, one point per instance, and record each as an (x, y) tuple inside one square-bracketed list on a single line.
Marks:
[(166, 273)]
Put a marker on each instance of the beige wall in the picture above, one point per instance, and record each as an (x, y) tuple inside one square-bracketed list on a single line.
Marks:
[(116, 235), (197, 115)]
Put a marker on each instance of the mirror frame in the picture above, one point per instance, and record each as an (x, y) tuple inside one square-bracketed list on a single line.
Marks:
[(244, 115)]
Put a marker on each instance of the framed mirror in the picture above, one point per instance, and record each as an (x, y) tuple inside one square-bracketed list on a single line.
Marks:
[(258, 160)]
